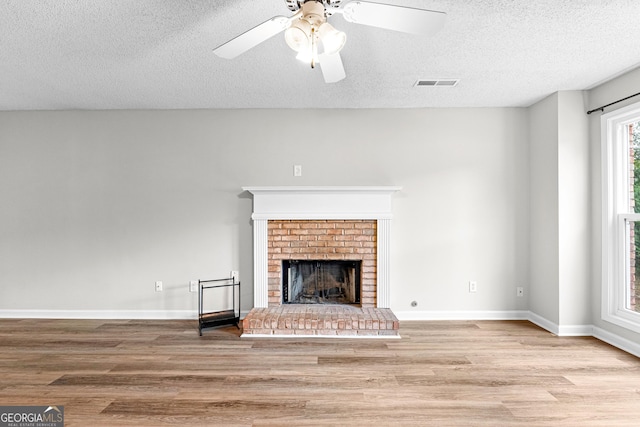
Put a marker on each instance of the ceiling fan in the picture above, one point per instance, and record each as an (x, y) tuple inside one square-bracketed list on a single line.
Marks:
[(308, 28)]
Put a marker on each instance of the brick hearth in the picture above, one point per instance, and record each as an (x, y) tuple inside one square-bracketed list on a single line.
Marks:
[(321, 320)]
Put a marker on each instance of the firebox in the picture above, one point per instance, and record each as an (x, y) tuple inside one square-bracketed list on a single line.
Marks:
[(321, 282)]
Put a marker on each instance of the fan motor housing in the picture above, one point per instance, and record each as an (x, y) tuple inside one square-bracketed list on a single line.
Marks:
[(295, 5)]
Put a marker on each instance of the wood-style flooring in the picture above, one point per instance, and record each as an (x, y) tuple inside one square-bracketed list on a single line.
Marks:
[(454, 373)]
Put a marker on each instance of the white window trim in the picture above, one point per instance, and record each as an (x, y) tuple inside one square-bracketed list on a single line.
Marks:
[(615, 215)]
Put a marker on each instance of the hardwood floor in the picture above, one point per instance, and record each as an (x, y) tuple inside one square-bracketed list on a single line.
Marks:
[(161, 373)]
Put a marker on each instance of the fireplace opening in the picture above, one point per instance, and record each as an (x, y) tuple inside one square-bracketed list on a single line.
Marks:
[(321, 282)]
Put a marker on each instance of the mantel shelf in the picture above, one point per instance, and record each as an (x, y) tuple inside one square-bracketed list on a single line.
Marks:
[(323, 189), (365, 202)]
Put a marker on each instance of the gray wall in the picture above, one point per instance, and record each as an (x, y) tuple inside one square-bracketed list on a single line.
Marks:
[(544, 226), (573, 210), (559, 206), (97, 206)]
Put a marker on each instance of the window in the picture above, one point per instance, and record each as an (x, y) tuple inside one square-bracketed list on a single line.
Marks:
[(621, 217)]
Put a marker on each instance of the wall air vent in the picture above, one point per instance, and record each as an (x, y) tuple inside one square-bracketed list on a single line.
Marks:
[(438, 82)]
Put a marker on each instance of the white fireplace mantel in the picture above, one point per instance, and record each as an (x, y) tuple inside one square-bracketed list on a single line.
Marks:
[(301, 203), (321, 202), (282, 203)]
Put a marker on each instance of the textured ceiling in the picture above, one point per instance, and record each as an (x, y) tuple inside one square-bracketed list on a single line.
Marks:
[(157, 54)]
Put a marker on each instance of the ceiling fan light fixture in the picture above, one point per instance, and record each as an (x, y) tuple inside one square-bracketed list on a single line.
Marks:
[(303, 35), (308, 27), (298, 35), (332, 40)]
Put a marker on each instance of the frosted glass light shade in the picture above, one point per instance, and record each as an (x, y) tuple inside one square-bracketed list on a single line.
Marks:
[(297, 35), (332, 39)]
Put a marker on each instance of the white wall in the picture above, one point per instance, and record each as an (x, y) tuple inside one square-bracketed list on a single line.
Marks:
[(97, 206)]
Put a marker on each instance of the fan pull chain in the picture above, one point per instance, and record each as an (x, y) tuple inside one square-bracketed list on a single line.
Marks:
[(314, 47)]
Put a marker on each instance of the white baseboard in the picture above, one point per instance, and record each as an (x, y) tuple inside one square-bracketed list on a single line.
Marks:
[(100, 314), (575, 331), (462, 315), (561, 330), (617, 341), (544, 323), (104, 314)]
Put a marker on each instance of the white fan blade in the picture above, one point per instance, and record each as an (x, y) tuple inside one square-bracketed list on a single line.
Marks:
[(398, 18), (332, 68), (253, 37)]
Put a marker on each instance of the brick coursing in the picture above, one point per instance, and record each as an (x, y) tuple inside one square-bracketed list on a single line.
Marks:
[(322, 240), (310, 319)]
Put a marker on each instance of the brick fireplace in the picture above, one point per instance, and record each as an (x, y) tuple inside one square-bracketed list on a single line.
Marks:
[(325, 240), (321, 224)]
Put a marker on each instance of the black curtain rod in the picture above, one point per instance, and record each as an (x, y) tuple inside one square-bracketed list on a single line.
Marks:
[(614, 102)]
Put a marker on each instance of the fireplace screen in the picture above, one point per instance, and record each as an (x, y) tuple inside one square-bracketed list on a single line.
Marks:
[(321, 282)]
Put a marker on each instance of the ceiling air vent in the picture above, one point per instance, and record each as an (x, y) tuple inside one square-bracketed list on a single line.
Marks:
[(438, 82)]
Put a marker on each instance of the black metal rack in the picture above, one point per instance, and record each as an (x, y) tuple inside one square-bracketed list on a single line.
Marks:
[(224, 316)]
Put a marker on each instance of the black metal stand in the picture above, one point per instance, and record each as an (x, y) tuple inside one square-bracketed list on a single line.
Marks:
[(224, 316)]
